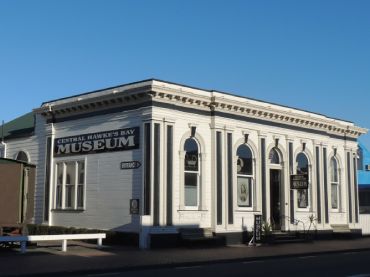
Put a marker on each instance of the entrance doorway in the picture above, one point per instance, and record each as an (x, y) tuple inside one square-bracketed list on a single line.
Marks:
[(275, 198)]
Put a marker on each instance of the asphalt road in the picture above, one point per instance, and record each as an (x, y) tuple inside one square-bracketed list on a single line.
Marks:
[(351, 264)]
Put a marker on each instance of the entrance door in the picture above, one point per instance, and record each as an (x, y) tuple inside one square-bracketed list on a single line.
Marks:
[(275, 199)]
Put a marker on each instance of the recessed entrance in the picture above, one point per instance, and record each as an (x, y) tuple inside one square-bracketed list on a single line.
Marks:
[(275, 198)]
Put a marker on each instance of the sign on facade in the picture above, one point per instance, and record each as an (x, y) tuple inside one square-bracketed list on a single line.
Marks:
[(257, 231), (134, 206), (108, 141), (130, 165), (299, 181)]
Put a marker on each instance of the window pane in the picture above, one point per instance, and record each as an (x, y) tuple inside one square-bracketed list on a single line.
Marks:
[(302, 164), (302, 198), (274, 157), (80, 196), (81, 173), (334, 196), (191, 189), (302, 168), (81, 183), (21, 156), (69, 196), (191, 155), (244, 191), (334, 170), (244, 162), (58, 195), (70, 184)]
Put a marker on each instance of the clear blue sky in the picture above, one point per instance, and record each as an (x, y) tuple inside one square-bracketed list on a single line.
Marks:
[(313, 55)]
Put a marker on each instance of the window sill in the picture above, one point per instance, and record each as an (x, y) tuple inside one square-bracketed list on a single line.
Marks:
[(336, 211), (304, 210), (68, 210), (245, 209), (192, 210)]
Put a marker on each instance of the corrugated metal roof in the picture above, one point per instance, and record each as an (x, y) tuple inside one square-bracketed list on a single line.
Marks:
[(19, 127)]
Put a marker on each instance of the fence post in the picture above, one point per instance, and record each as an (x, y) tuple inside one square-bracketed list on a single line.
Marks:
[(64, 245)]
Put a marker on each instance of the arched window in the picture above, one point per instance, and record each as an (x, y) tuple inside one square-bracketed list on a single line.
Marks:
[(22, 156), (244, 176), (191, 173), (334, 183), (302, 168), (274, 156)]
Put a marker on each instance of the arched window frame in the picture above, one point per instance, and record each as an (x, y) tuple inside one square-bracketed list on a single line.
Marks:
[(308, 191), (25, 154), (335, 184), (190, 172), (277, 153), (250, 177)]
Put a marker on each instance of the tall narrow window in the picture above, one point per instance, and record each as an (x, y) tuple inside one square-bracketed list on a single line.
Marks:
[(191, 173), (334, 183), (70, 184), (302, 168), (58, 192), (244, 176), (80, 184)]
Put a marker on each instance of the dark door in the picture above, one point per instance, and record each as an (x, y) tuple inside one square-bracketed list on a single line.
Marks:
[(275, 199)]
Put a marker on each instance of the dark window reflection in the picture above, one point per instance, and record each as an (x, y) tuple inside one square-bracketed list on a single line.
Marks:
[(302, 164), (191, 155), (244, 163)]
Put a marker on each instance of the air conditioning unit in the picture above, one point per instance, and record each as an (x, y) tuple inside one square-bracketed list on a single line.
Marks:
[(367, 167)]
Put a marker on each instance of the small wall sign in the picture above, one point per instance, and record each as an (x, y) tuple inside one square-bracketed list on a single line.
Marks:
[(134, 206), (299, 181), (257, 231), (130, 165)]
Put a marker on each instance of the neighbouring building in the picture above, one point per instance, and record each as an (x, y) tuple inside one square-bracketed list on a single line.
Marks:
[(151, 157), (364, 178)]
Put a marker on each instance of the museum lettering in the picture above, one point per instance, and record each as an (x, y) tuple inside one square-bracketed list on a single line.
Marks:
[(114, 140)]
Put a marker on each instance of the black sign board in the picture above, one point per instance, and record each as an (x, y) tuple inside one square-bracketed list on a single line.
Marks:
[(134, 206), (257, 231), (130, 165), (108, 141), (299, 181)]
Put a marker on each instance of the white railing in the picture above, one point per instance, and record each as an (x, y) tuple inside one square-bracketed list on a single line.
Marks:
[(64, 238), (365, 223)]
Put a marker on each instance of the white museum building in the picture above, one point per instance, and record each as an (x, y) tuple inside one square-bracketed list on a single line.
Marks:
[(154, 157)]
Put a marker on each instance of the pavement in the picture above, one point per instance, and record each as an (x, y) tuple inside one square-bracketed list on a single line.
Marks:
[(83, 258)]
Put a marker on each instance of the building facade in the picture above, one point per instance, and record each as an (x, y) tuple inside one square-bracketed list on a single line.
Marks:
[(152, 157)]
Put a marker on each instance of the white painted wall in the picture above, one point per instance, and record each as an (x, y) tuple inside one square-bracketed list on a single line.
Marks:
[(365, 223), (108, 188)]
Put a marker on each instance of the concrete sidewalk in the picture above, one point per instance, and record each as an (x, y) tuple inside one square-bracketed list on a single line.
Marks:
[(85, 258)]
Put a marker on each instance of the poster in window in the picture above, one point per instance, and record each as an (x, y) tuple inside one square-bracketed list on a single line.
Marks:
[(244, 192), (334, 196), (302, 198), (191, 161)]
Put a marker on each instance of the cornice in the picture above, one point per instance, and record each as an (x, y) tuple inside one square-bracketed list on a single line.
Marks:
[(109, 101), (201, 100), (213, 103)]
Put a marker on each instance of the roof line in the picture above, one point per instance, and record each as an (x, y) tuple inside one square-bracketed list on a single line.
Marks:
[(94, 91), (198, 88)]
